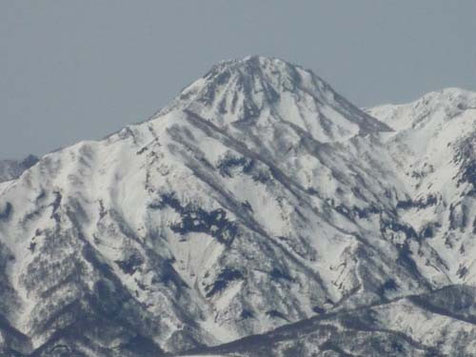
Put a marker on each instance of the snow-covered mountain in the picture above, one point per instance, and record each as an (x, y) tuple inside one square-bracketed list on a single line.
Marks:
[(260, 213)]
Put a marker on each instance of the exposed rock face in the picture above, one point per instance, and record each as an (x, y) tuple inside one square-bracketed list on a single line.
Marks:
[(258, 199)]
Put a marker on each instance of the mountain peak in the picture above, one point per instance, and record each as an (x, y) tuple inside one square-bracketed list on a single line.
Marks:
[(267, 68), (251, 79), (252, 60), (262, 91)]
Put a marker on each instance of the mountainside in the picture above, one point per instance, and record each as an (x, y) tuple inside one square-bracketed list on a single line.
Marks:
[(261, 213)]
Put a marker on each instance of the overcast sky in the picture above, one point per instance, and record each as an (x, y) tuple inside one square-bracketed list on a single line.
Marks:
[(73, 70)]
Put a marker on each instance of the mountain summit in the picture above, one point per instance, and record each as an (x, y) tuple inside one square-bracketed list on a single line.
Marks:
[(259, 214), (262, 91)]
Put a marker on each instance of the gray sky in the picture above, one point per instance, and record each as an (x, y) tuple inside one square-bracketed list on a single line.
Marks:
[(73, 70)]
